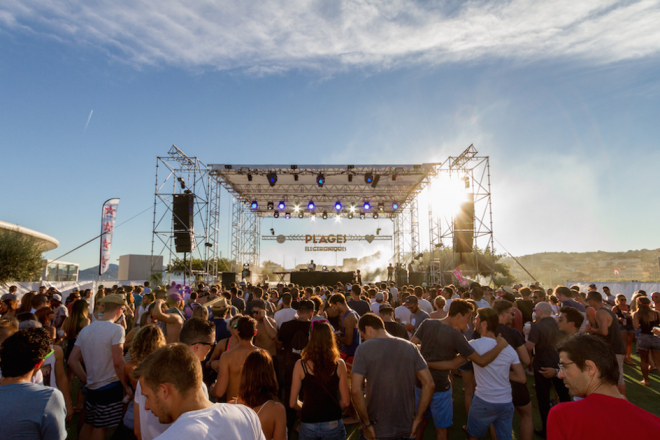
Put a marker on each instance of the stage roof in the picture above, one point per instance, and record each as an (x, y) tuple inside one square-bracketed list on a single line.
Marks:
[(297, 185)]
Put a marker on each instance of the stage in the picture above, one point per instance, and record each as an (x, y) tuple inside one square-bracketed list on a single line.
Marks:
[(312, 279)]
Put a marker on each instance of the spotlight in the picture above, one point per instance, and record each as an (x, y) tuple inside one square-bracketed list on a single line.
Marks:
[(466, 179), (381, 206), (325, 268), (272, 231), (325, 215), (249, 177), (311, 206), (350, 177), (350, 215), (181, 182), (375, 182), (362, 216), (228, 167), (296, 208), (270, 206), (301, 214), (295, 177), (337, 206), (281, 206), (366, 206), (375, 215), (254, 205), (320, 179), (368, 178), (272, 179), (395, 206), (287, 215), (276, 214)]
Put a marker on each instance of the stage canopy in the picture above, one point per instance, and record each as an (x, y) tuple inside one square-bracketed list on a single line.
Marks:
[(345, 189)]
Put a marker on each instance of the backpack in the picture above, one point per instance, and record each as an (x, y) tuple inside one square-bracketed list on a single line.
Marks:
[(292, 354)]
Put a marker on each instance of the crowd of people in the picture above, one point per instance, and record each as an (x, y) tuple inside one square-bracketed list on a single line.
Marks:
[(254, 362)]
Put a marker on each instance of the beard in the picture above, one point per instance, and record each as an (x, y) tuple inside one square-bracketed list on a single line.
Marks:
[(162, 412)]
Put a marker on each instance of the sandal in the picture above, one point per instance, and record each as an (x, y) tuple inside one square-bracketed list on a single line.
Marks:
[(629, 362)]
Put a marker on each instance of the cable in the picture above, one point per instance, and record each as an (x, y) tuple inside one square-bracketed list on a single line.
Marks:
[(515, 259)]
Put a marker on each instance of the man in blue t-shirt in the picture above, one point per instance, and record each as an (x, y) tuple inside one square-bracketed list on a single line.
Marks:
[(565, 297)]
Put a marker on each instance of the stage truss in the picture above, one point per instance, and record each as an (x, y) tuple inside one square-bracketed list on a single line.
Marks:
[(297, 185)]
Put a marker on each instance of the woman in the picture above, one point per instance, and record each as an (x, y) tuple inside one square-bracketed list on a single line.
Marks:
[(321, 375), (26, 303), (224, 344), (439, 312), (72, 325), (46, 316), (645, 319), (9, 308), (622, 312), (145, 320), (258, 390)]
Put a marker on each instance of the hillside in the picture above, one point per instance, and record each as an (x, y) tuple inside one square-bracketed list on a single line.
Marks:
[(91, 273)]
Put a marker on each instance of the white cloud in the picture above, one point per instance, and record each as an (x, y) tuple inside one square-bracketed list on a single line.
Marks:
[(273, 36)]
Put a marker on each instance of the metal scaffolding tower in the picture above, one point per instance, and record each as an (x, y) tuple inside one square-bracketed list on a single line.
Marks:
[(245, 236)]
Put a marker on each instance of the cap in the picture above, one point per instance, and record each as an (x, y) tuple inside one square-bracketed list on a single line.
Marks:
[(380, 297), (544, 307), (306, 304), (507, 289), (258, 304), (592, 285), (114, 299), (57, 297), (412, 299), (75, 289), (509, 297), (517, 286)]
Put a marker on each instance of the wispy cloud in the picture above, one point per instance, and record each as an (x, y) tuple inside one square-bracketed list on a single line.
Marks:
[(279, 35)]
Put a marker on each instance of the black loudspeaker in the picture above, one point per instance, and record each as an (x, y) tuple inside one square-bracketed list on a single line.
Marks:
[(228, 278), (401, 277), (463, 241), (183, 209), (184, 242), (464, 226)]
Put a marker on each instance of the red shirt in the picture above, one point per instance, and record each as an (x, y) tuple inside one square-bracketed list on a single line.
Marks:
[(598, 416)]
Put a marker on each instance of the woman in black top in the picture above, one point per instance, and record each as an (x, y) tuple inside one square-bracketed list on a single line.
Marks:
[(622, 312), (321, 374), (645, 319)]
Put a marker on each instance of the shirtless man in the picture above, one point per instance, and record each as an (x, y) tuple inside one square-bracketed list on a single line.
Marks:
[(231, 362), (266, 328), (173, 318)]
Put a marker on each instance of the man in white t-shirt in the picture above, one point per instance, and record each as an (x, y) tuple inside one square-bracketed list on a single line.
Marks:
[(401, 313), (286, 314), (174, 395), (492, 403), (394, 293), (423, 304)]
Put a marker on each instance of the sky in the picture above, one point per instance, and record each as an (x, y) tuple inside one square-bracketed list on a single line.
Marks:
[(562, 96)]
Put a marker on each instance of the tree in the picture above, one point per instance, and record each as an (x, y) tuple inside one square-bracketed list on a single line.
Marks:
[(20, 257), (484, 263)]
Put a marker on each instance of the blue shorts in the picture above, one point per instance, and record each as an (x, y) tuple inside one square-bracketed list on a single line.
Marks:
[(483, 414), (441, 408)]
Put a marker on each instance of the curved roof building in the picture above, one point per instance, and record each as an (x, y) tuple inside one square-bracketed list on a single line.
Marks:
[(47, 241)]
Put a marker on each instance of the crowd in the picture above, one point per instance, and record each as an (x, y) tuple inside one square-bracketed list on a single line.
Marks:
[(253, 362)]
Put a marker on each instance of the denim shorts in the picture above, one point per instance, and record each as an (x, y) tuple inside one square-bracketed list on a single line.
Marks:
[(441, 408), (483, 414), (333, 430)]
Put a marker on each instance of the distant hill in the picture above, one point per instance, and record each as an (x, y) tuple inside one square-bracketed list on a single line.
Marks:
[(91, 273)]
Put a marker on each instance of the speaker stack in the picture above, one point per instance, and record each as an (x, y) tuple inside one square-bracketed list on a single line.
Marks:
[(183, 209), (464, 226)]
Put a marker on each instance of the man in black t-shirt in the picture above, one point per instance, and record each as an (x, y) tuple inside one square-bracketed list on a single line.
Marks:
[(525, 305), (356, 303), (392, 327), (236, 300)]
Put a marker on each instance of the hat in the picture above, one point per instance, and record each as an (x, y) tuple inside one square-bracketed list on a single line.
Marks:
[(509, 297), (385, 306), (592, 285), (517, 286), (306, 304), (220, 304), (507, 289), (57, 297), (412, 299), (380, 297), (75, 289), (258, 304), (8, 296), (544, 307), (114, 299)]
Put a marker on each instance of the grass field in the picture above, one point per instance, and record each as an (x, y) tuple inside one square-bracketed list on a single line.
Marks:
[(647, 398)]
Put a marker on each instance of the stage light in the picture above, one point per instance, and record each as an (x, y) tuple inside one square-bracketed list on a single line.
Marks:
[(368, 178), (272, 231), (378, 231), (395, 206), (181, 182), (325, 268), (301, 214), (337, 206), (296, 208), (393, 177), (350, 215), (366, 206), (249, 177), (350, 177), (352, 208), (362, 216), (350, 167), (325, 215), (311, 206), (272, 178), (254, 205), (281, 206), (295, 177), (270, 206), (313, 218), (466, 179), (320, 179), (294, 167), (276, 214), (287, 215), (381, 206), (375, 215), (375, 182)]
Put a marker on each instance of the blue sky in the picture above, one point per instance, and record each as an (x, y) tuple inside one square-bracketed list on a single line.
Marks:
[(563, 97)]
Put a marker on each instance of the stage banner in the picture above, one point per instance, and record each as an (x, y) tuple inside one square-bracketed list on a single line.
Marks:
[(107, 227)]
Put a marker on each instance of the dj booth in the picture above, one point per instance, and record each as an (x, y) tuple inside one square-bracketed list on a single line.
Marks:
[(312, 279)]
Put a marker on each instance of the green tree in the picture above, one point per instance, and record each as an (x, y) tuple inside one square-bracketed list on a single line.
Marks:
[(20, 257)]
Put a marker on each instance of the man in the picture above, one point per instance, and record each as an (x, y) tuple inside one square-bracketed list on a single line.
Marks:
[(525, 305), (231, 362), (444, 348), (378, 299), (173, 318), (402, 313), (147, 300), (311, 266), (390, 273), (606, 325), (417, 315), (477, 294), (519, 391), (543, 338), (286, 313), (609, 300), (61, 312), (394, 328), (30, 410), (565, 297), (266, 328), (38, 301), (389, 409), (101, 345), (147, 288), (570, 320), (348, 335), (356, 302), (219, 312), (422, 303), (492, 402), (175, 395), (394, 294), (590, 370), (236, 300), (257, 295)]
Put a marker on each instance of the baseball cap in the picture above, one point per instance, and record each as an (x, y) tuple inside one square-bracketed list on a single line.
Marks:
[(412, 299), (57, 297), (8, 296), (306, 304), (114, 299), (592, 285), (75, 289), (380, 297)]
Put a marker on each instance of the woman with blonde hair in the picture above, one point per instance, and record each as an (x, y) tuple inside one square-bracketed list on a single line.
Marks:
[(321, 376)]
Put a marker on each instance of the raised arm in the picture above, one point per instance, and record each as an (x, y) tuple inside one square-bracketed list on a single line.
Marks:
[(169, 318), (484, 359)]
